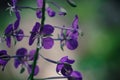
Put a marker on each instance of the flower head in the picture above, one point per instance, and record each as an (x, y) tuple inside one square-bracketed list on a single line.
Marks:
[(4, 58), (70, 36), (64, 66), (43, 34), (24, 58)]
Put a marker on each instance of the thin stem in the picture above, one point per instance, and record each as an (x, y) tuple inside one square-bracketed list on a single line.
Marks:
[(27, 7), (49, 60), (37, 49), (61, 77)]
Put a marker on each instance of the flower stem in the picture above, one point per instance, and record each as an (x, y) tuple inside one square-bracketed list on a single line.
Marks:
[(61, 77), (31, 77)]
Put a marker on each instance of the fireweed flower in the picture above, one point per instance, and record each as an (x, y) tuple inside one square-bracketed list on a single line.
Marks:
[(69, 37), (64, 66), (24, 58), (43, 35), (50, 12), (13, 30), (4, 58)]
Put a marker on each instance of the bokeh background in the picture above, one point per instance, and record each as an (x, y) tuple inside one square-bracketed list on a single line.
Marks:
[(98, 54)]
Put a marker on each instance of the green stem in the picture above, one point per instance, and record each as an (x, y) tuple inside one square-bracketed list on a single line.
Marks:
[(31, 77)]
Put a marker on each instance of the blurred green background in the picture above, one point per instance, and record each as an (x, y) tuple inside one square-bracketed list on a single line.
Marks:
[(98, 55)]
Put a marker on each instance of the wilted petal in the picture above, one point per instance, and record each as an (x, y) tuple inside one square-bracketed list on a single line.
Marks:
[(9, 29), (39, 14), (40, 3), (8, 41), (16, 63), (48, 42), (75, 22), (19, 35), (47, 29), (50, 12), (31, 54), (72, 44), (16, 24), (36, 71)]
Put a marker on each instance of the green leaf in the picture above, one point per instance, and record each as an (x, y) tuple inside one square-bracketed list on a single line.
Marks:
[(72, 3)]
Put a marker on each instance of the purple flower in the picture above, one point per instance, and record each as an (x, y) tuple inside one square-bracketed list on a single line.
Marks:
[(4, 58), (64, 66), (50, 12), (75, 75), (70, 36), (13, 30), (24, 58), (43, 34)]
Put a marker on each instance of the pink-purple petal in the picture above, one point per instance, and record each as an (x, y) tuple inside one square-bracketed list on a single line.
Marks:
[(39, 14), (31, 54), (72, 44), (30, 70), (19, 35), (50, 12), (16, 63), (48, 43), (75, 22), (47, 29), (9, 29), (40, 3), (16, 24), (8, 41), (59, 67)]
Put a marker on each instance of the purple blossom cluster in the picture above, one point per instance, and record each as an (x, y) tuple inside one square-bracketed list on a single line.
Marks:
[(42, 33)]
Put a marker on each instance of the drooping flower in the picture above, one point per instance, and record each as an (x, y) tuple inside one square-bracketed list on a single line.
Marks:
[(64, 66), (69, 37), (50, 12), (24, 58), (4, 58), (43, 34)]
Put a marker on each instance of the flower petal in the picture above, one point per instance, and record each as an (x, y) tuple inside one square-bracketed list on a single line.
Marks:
[(9, 29), (35, 30), (36, 71), (21, 52), (19, 35), (48, 42), (16, 24), (59, 67), (8, 41), (39, 14), (16, 63), (50, 12), (75, 22), (47, 29), (17, 14), (31, 54), (40, 3), (66, 59), (72, 44), (76, 75)]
